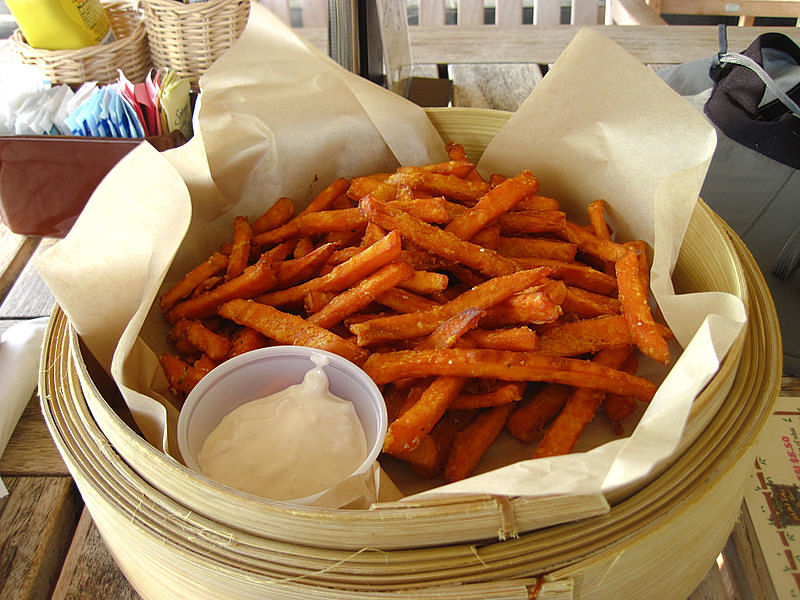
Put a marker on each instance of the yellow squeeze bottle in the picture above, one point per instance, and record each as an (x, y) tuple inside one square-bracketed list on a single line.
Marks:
[(62, 24)]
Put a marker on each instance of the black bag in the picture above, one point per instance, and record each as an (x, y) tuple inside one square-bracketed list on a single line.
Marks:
[(753, 181)]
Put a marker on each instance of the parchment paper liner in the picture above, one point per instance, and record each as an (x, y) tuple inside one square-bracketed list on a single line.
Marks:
[(277, 118)]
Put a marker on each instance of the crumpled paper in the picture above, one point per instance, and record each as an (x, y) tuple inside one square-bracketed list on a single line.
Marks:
[(277, 118)]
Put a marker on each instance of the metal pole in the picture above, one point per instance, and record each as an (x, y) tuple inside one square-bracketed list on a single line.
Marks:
[(354, 37), (343, 40)]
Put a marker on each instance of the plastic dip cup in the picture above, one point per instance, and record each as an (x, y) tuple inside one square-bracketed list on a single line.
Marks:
[(265, 371)]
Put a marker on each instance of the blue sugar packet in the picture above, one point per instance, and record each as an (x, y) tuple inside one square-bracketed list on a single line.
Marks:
[(84, 121), (105, 122)]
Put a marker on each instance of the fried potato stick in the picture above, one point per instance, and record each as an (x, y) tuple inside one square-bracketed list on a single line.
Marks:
[(181, 376), (618, 408), (589, 304), (597, 220), (504, 365), (587, 335), (646, 333), (505, 394), (293, 271), (213, 344), (356, 298), (407, 431), (459, 168), (276, 215), (537, 202), (437, 184), (313, 223), (245, 340), (494, 203), (343, 275), (471, 443), (286, 328), (413, 325), (597, 217), (447, 334), (577, 274), (588, 242), (437, 241), (403, 301), (523, 339), (488, 237), (424, 459), (326, 197), (425, 282), (521, 247), (429, 210), (532, 414), (532, 221), (367, 184), (524, 308), (183, 289), (240, 249), (256, 279), (302, 246), (579, 410)]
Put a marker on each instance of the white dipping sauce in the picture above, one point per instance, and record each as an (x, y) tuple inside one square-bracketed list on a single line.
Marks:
[(294, 443)]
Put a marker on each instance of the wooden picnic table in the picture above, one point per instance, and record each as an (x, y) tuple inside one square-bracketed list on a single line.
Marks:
[(49, 545)]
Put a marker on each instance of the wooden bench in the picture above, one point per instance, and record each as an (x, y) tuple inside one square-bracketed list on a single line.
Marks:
[(496, 66), (746, 10), (439, 20), (309, 14)]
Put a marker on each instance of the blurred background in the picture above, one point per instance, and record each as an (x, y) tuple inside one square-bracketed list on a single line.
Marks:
[(7, 23)]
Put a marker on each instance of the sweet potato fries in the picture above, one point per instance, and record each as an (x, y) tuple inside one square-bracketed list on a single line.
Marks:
[(475, 304)]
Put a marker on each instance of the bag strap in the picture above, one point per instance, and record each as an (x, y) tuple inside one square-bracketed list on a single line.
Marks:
[(741, 82), (788, 257)]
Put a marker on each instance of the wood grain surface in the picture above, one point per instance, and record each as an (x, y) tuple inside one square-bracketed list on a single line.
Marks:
[(89, 566), (37, 523)]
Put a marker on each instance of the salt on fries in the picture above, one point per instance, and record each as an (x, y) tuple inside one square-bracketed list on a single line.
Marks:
[(475, 305)]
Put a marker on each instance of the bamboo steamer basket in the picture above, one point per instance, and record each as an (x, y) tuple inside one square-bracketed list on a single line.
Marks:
[(176, 536), (707, 261)]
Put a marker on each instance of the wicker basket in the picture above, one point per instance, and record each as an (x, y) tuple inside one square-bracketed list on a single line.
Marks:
[(188, 38), (130, 53)]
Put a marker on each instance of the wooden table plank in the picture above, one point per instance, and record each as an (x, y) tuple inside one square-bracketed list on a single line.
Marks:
[(31, 450), (15, 251), (502, 87), (29, 296), (37, 522), (745, 562), (89, 566)]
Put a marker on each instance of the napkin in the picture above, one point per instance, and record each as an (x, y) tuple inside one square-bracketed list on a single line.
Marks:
[(20, 347)]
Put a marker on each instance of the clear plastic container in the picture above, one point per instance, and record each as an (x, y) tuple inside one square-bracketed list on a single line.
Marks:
[(265, 371)]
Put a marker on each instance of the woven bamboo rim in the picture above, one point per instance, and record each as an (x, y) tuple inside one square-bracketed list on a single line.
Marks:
[(188, 38), (645, 547), (130, 52)]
